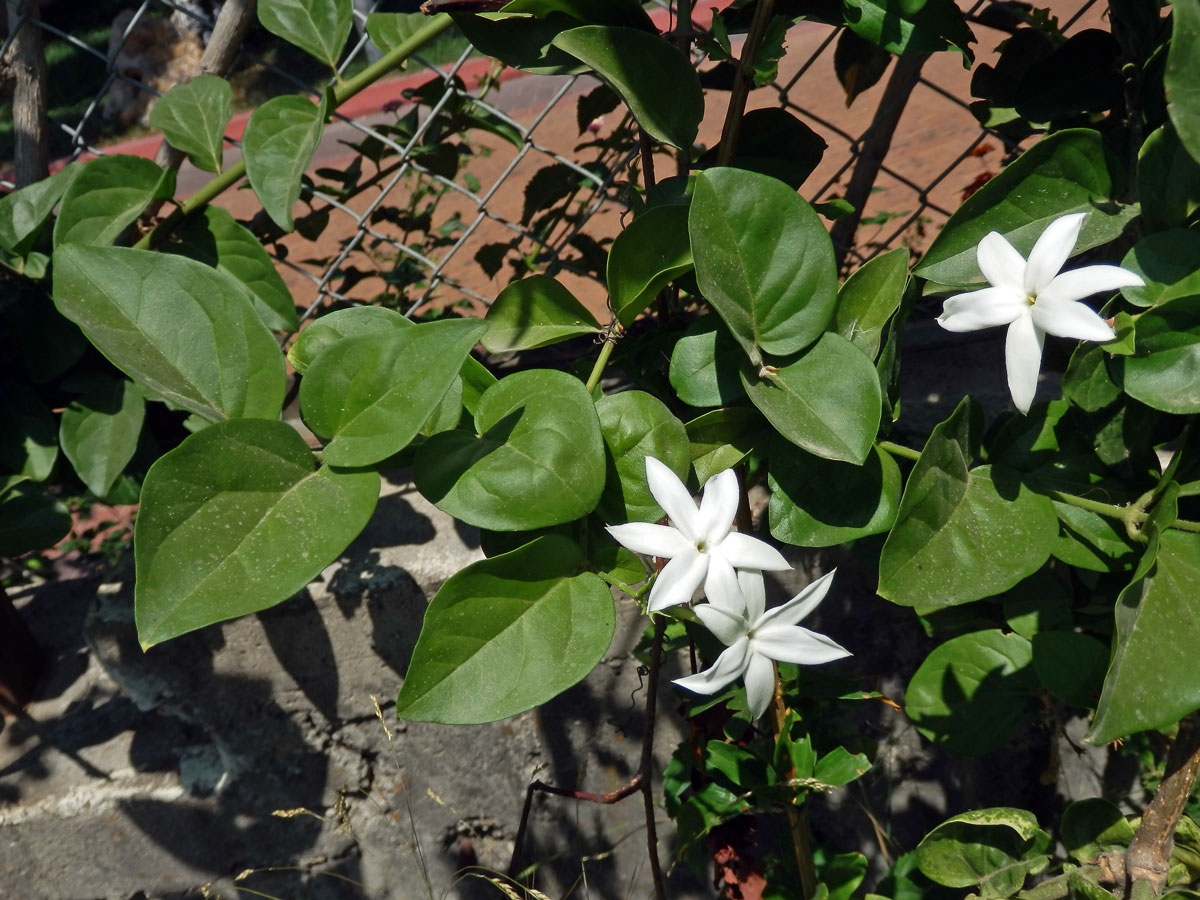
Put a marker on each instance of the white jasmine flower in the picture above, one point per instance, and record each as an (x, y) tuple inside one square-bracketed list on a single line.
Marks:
[(755, 637), (701, 547), (1035, 299)]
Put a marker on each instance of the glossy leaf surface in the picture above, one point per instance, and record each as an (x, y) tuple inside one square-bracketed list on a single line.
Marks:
[(236, 519), (992, 851), (705, 363), (178, 327), (1179, 79), (278, 146), (318, 27), (869, 297), (193, 116), (106, 196), (99, 431), (1169, 263), (534, 312), (1164, 371), (636, 425), (723, 438), (644, 258)]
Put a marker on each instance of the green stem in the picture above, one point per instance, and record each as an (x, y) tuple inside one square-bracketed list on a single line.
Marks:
[(899, 450), (601, 362), (341, 93)]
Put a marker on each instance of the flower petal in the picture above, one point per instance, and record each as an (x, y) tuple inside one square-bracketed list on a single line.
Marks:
[(982, 309), (1052, 249), (727, 626), (675, 499), (651, 539), (728, 668), (760, 683), (796, 644), (1079, 283), (722, 589), (999, 261), (678, 580), (745, 552), (754, 590), (799, 606), (1071, 319), (1023, 359), (718, 506)]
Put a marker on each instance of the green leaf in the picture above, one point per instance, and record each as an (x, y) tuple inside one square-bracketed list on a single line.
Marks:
[(649, 254), (974, 693), (991, 851), (1070, 171), (1087, 382), (237, 519), (655, 80), (1168, 181), (174, 325), (216, 239), (636, 425), (775, 143), (371, 393), (1093, 826), (99, 431), (318, 27), (31, 520), (23, 212), (506, 634), (1070, 666), (389, 30), (536, 459), (705, 363), (961, 533), (1169, 262), (1179, 78), (1090, 541), (869, 298), (910, 27), (763, 260), (839, 767), (278, 146), (1165, 371), (29, 438), (193, 116), (834, 418), (1152, 681), (521, 42), (535, 312), (723, 438), (818, 502), (106, 196)]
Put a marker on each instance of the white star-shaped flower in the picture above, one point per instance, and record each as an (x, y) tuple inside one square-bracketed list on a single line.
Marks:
[(701, 546), (755, 637), (1035, 299)]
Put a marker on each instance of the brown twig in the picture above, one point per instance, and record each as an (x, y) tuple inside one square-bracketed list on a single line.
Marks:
[(742, 82), (875, 145), (1148, 856), (25, 65), (796, 819)]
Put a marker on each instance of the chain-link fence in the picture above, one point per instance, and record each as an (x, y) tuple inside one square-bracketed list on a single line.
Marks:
[(440, 185)]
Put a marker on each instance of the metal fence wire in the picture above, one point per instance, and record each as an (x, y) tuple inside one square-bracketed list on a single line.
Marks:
[(463, 175)]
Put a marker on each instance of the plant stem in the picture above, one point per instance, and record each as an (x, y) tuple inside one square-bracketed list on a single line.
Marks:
[(340, 92), (601, 360), (899, 450), (646, 766), (743, 81), (797, 821)]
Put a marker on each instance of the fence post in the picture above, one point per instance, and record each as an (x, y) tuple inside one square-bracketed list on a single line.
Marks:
[(25, 65)]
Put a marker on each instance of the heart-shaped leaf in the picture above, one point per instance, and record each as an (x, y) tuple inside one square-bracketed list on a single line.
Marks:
[(818, 502), (187, 332), (636, 425), (99, 431), (763, 260), (649, 254), (959, 535), (318, 27), (371, 394), (836, 418), (193, 117), (1151, 682), (537, 458), (278, 146), (106, 196), (1070, 171), (534, 312), (973, 693), (506, 634), (237, 519), (216, 239), (655, 80)]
